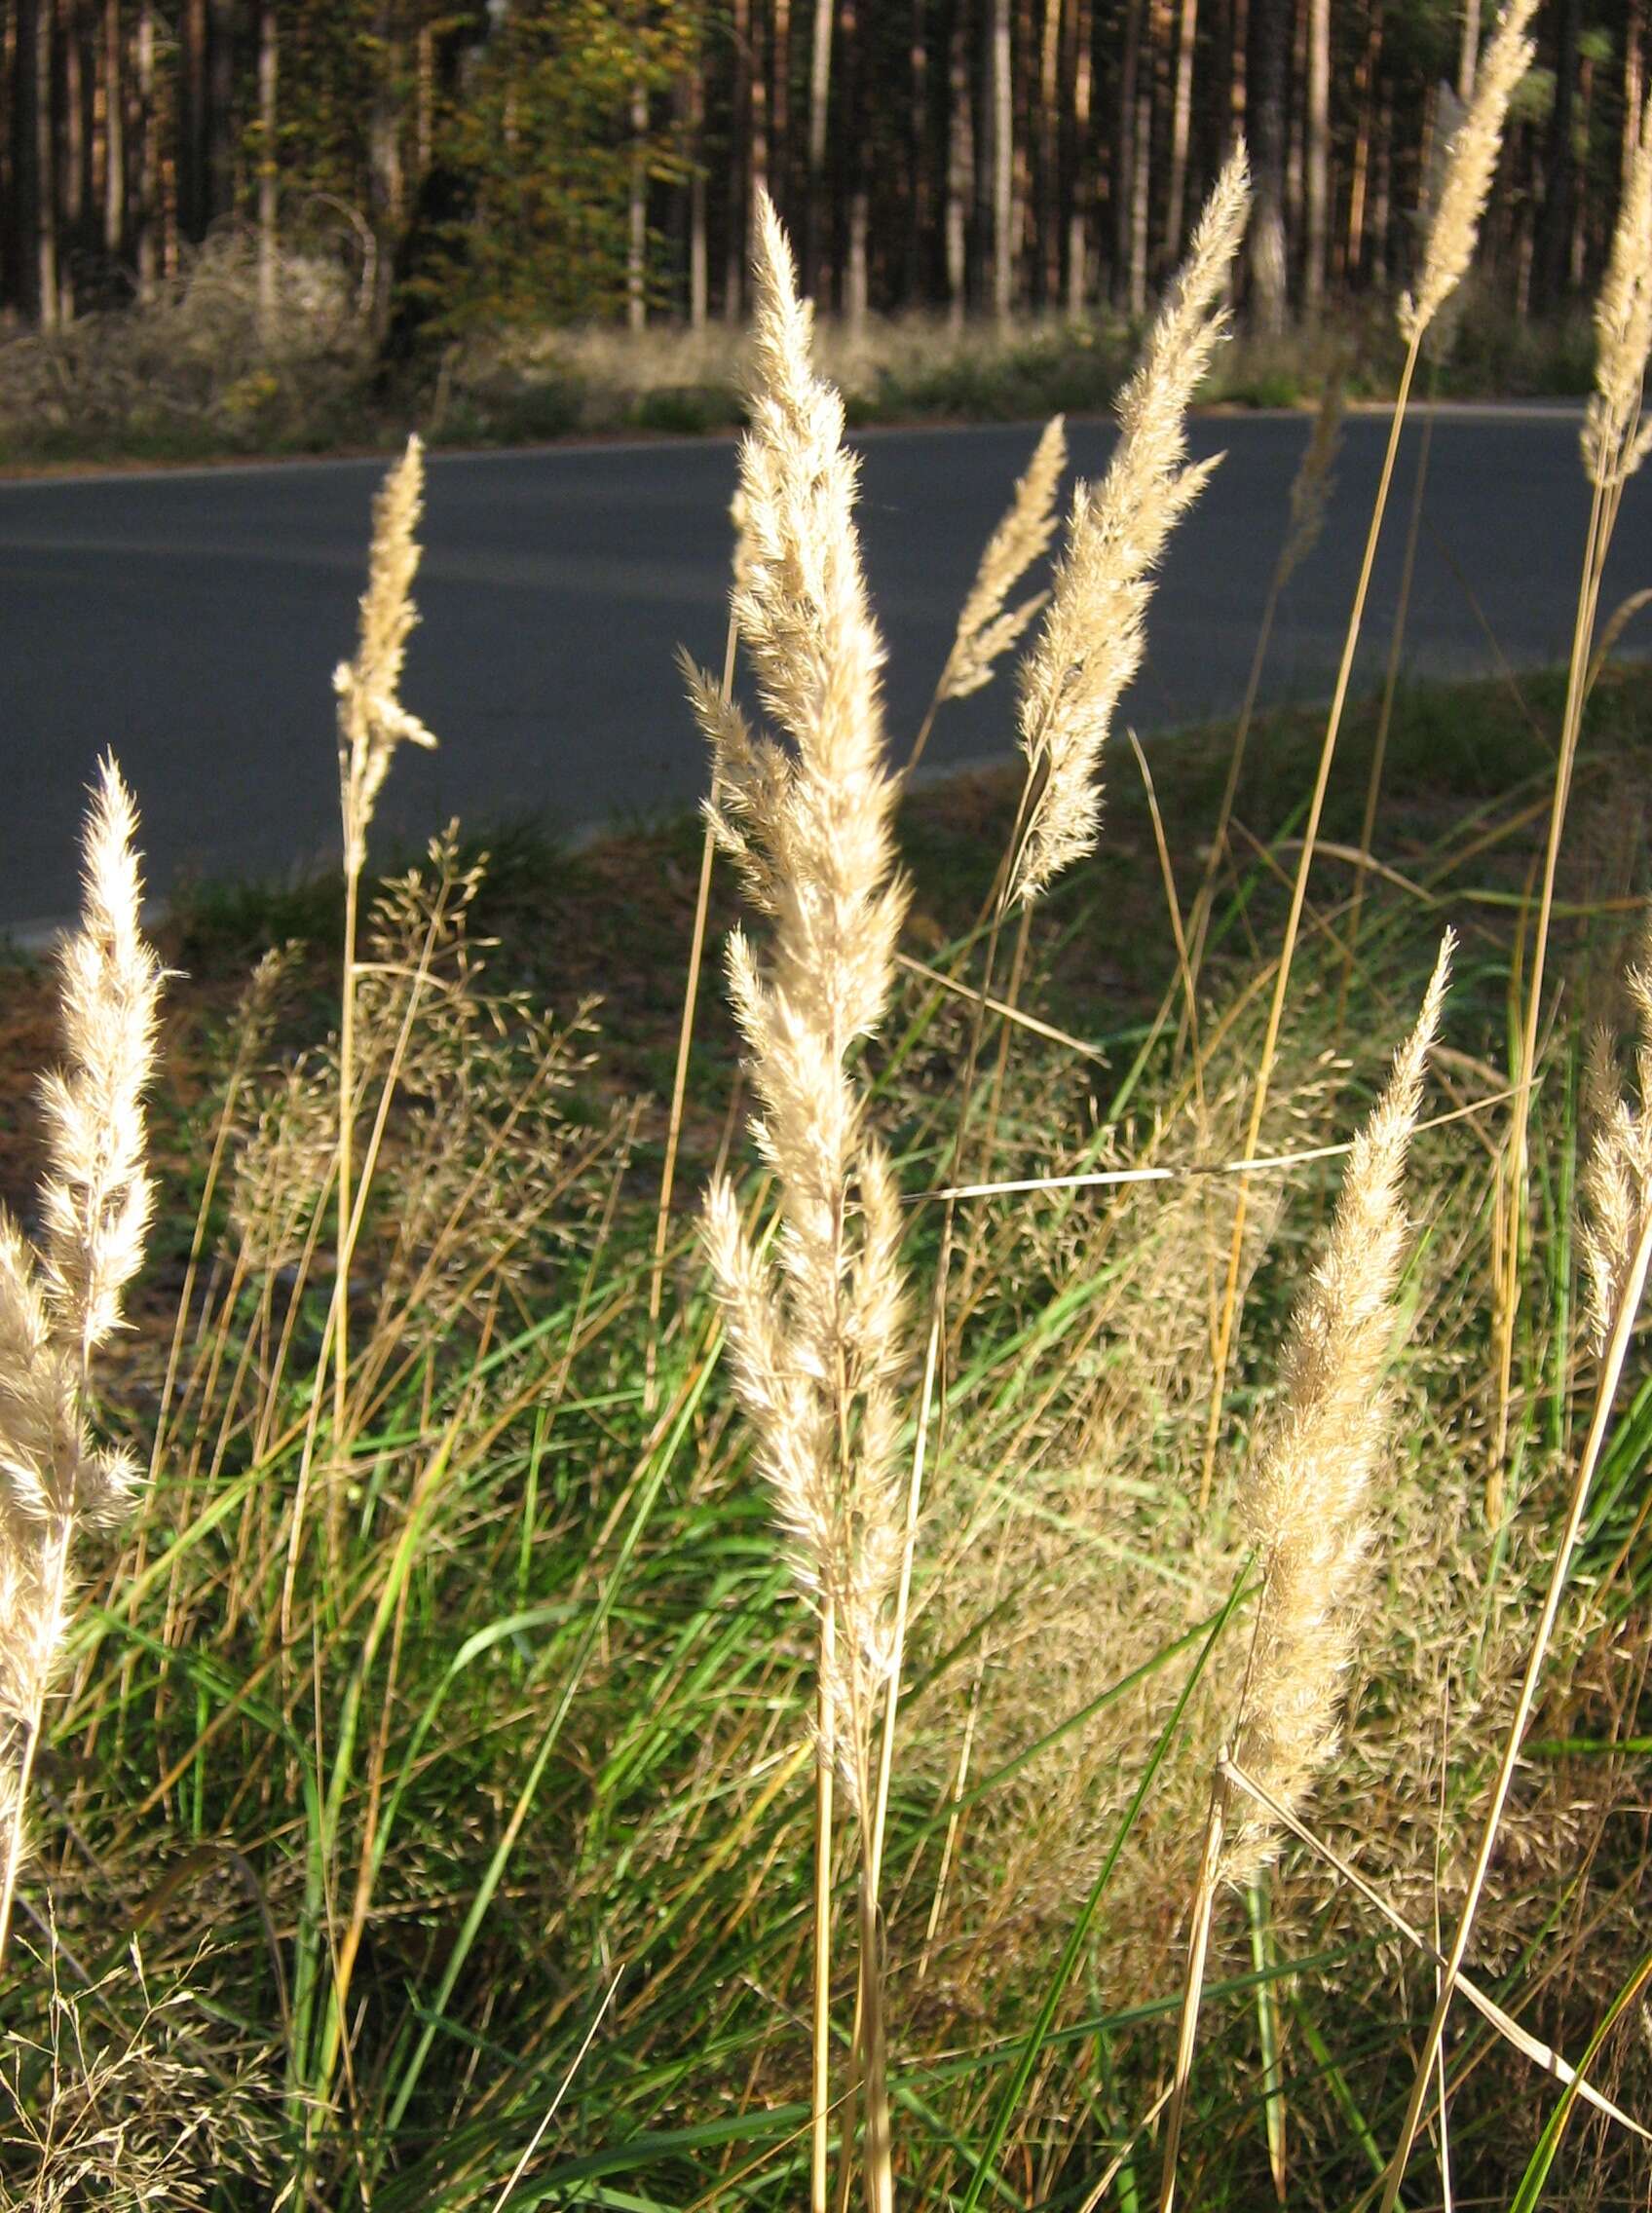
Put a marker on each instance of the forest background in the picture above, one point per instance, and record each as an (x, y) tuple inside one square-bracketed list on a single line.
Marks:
[(384, 186)]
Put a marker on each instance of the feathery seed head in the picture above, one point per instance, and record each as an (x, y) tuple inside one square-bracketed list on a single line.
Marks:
[(1469, 164), (372, 722), (814, 1328), (1614, 442), (1314, 481), (1306, 1492), (1617, 1179), (988, 629), (97, 1198), (1089, 646)]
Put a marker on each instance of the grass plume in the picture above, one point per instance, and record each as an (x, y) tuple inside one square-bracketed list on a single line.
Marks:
[(817, 1336), (1304, 1505), (1470, 165), (1090, 644), (60, 1305)]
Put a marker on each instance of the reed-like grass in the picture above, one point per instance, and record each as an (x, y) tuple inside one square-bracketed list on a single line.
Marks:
[(725, 1750)]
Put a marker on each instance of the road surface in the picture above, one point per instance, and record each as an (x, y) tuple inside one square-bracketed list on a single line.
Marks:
[(192, 622)]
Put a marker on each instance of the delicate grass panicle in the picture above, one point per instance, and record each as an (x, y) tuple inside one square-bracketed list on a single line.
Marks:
[(1315, 479), (60, 1305), (1090, 644), (1471, 164), (987, 628), (1615, 443), (1305, 1495), (1617, 1179), (372, 722), (817, 1341)]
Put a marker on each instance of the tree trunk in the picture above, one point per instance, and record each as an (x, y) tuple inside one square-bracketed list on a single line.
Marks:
[(114, 135), (1047, 199), (1239, 65), (1124, 150), (1141, 190), (1468, 53), (739, 105), (1580, 200), (36, 160), (1383, 191), (1295, 147), (1555, 240), (1004, 164), (960, 175), (220, 124), (780, 159), (819, 92), (191, 95), (385, 180), (1078, 217), (425, 100), (1269, 65), (1319, 155), (852, 194), (636, 225), (72, 149), (148, 209), (699, 286), (1180, 127), (1364, 99), (757, 84), (1633, 29), (269, 168)]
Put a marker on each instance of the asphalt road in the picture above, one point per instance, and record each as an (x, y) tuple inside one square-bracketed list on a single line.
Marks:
[(192, 620)]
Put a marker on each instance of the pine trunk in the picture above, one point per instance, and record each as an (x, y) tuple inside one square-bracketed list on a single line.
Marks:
[(1318, 155), (1270, 51), (1004, 164), (1181, 129), (960, 176), (269, 168), (1082, 185), (819, 92)]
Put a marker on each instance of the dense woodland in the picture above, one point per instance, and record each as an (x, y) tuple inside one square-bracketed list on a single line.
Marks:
[(537, 161)]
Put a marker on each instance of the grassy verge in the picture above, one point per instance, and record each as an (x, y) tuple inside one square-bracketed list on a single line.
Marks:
[(113, 392), (533, 1753)]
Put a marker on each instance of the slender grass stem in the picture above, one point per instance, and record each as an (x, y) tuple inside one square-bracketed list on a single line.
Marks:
[(680, 1077), (821, 2104), (1385, 713), (1602, 514), (1228, 1317)]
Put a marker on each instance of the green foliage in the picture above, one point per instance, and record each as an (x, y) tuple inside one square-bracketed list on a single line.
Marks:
[(544, 158)]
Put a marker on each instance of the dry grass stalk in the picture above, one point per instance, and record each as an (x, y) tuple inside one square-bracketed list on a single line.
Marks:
[(61, 1304), (1470, 165), (1304, 1505), (987, 628), (1090, 644), (1310, 496), (1619, 1195), (372, 723), (1303, 1499), (817, 1336), (1617, 1179), (1612, 450), (1614, 442)]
